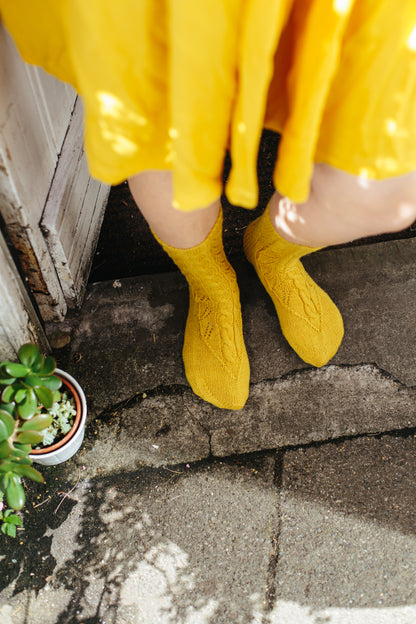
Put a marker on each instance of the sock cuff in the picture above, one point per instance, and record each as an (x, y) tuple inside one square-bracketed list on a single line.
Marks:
[(269, 231)]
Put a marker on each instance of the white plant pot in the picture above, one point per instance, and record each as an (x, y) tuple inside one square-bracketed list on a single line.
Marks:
[(71, 446)]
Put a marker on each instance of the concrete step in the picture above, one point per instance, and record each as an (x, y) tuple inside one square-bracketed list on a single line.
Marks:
[(126, 346)]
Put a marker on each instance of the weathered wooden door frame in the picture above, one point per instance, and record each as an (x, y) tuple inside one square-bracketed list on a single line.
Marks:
[(50, 206), (19, 323)]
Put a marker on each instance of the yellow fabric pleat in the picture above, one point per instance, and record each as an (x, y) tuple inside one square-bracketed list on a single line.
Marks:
[(173, 84)]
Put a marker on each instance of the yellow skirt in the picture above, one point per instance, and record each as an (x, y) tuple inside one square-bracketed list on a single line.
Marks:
[(173, 84)]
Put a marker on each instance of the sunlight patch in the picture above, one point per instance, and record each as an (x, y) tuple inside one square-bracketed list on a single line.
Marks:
[(391, 126), (109, 104), (112, 106), (292, 613), (342, 6), (119, 143), (411, 42)]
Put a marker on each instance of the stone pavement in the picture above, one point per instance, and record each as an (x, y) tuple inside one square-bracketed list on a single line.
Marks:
[(300, 508)]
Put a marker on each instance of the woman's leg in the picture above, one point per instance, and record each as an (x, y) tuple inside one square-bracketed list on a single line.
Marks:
[(152, 192), (341, 208), (214, 354)]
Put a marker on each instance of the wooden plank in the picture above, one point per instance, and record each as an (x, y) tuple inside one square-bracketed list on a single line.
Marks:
[(45, 186), (27, 164), (18, 320), (73, 214), (30, 245), (24, 134), (55, 101), (91, 219)]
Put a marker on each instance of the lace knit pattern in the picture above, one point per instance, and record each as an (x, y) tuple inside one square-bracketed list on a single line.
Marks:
[(309, 319), (214, 353)]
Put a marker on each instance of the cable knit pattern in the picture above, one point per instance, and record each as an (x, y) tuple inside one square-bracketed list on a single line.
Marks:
[(214, 354), (310, 321)]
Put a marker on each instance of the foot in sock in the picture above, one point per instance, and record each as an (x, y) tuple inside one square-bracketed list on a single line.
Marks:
[(214, 354), (310, 321)]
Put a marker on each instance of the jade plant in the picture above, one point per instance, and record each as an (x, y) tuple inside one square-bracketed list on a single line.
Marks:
[(9, 520), (28, 389)]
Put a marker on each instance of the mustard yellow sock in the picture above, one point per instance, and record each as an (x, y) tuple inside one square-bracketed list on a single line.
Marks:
[(310, 321), (214, 354)]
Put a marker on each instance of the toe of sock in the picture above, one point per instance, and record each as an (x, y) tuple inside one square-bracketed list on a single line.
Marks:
[(317, 348), (218, 388)]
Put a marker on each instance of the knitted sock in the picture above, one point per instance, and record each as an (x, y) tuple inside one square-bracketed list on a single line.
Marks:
[(310, 321), (214, 354)]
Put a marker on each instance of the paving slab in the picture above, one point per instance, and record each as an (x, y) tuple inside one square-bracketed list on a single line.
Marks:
[(159, 429), (133, 530), (185, 545), (126, 347), (347, 540), (129, 333)]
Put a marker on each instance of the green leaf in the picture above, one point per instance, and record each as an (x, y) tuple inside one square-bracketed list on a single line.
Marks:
[(8, 529), (4, 480), (33, 381), (9, 464), (28, 354), (52, 382), (3, 431), (7, 407), (37, 423), (45, 396), (48, 366), (29, 437), (20, 395), (5, 449), (29, 406), (15, 494), (20, 458), (25, 448), (38, 364), (8, 421), (29, 472), (12, 518), (7, 381), (8, 394), (17, 370), (4, 375)]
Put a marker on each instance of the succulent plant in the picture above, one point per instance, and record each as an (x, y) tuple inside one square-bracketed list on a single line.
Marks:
[(9, 520), (63, 414), (26, 387)]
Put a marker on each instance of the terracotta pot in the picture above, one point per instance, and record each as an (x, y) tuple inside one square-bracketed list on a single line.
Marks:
[(65, 448)]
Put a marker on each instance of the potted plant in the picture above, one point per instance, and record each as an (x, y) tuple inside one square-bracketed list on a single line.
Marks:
[(33, 410)]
